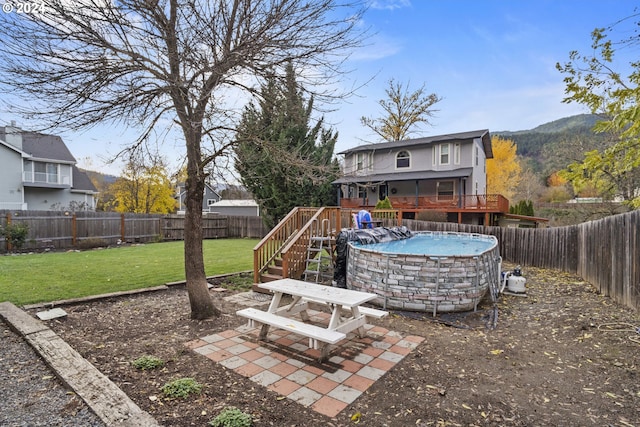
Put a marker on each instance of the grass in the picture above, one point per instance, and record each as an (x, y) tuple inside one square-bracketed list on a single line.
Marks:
[(44, 277)]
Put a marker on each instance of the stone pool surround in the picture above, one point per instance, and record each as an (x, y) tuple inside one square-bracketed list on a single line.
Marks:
[(422, 282)]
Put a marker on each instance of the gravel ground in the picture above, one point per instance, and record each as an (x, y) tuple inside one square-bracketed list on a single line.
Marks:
[(30, 393)]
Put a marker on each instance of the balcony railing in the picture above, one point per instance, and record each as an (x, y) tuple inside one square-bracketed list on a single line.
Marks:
[(478, 202), (45, 178)]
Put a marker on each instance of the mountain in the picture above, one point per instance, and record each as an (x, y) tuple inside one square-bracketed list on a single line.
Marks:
[(554, 145), (99, 177), (580, 123)]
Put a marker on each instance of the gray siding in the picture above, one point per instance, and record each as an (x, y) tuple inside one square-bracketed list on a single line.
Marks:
[(10, 179)]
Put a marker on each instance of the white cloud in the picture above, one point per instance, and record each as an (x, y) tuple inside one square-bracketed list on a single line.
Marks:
[(390, 4)]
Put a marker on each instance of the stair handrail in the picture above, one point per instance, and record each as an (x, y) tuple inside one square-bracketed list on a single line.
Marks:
[(272, 244), (294, 253)]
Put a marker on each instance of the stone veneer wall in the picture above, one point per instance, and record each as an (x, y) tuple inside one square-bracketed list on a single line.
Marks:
[(408, 282)]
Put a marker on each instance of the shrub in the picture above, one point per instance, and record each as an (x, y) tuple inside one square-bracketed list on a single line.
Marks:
[(384, 204), (148, 362), (15, 233), (231, 417), (181, 387)]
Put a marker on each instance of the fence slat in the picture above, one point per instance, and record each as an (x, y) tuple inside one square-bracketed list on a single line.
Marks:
[(605, 252)]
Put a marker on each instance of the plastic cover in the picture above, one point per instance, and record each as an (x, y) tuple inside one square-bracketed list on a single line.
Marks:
[(364, 237)]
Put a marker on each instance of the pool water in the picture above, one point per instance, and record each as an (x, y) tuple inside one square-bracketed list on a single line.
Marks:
[(436, 245)]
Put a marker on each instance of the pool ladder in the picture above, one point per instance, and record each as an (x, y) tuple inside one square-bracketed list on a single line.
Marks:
[(319, 250)]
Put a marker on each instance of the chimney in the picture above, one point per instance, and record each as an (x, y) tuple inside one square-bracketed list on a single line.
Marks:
[(13, 135)]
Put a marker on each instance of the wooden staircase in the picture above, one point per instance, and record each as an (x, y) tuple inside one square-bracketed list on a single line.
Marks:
[(284, 251)]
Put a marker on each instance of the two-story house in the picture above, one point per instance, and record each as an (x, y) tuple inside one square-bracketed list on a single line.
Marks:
[(209, 197), (445, 173), (39, 173)]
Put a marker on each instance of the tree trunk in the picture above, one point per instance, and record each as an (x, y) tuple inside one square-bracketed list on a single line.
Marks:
[(202, 306)]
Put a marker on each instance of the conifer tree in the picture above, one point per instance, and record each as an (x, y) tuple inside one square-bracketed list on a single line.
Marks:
[(283, 159)]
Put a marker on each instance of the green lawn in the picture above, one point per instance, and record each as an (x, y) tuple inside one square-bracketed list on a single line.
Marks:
[(32, 278)]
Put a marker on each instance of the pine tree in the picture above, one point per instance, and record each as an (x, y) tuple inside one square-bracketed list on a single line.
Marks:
[(283, 160)]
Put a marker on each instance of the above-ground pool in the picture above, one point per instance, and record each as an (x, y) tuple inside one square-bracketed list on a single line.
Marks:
[(431, 271)]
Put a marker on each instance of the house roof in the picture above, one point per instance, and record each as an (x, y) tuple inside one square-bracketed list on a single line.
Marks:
[(461, 136), (182, 189), (81, 181), (406, 176), (42, 146), (235, 203)]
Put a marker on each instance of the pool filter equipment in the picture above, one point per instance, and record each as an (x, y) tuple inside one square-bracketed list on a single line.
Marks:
[(513, 281)]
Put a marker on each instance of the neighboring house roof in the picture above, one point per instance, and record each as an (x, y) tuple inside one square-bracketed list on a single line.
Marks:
[(404, 176), (183, 190), (483, 134), (235, 203), (82, 182), (9, 146), (41, 146)]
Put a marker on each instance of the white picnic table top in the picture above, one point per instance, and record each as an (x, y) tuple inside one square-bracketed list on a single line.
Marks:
[(329, 294)]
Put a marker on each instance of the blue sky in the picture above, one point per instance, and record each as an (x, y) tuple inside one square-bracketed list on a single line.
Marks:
[(492, 62)]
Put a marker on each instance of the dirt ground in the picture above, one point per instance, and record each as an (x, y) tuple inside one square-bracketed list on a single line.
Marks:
[(563, 355)]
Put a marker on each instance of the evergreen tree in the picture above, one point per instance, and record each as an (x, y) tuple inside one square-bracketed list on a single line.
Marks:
[(282, 159)]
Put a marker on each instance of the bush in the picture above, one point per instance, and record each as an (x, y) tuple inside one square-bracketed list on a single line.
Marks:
[(148, 362), (181, 387), (384, 204), (231, 417), (15, 233)]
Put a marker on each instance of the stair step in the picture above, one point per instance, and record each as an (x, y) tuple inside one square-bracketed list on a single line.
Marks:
[(267, 277), (276, 270)]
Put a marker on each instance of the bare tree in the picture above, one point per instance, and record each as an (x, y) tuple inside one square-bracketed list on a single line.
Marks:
[(404, 111), (157, 64)]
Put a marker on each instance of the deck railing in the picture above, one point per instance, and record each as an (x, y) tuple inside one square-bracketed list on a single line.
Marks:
[(478, 202), (289, 239), (294, 253)]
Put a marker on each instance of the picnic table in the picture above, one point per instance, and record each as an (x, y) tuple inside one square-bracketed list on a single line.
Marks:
[(347, 312)]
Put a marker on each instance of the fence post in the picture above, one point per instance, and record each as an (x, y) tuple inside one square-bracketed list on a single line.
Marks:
[(6, 240), (122, 228), (74, 229)]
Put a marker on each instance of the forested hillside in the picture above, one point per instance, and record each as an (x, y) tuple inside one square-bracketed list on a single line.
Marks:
[(552, 146)]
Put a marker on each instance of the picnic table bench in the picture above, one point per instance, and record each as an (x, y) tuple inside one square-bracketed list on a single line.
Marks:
[(347, 314)]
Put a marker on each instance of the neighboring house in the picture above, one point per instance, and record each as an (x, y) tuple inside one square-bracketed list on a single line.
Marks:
[(210, 197), (445, 173), (39, 173), (236, 208)]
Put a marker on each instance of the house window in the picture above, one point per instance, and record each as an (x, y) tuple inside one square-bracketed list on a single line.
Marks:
[(210, 202), (362, 192), (360, 161), (477, 155), (42, 172), (445, 190), (456, 153), (403, 160), (444, 153), (52, 173)]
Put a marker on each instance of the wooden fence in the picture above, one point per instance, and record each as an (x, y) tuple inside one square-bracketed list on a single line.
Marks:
[(59, 230), (606, 252)]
